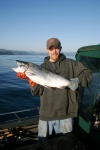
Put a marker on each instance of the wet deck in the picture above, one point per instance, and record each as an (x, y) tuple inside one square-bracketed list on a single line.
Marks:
[(24, 137), (65, 142)]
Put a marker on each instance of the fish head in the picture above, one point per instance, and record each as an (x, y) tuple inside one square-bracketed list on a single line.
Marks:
[(35, 72), (33, 68), (22, 66)]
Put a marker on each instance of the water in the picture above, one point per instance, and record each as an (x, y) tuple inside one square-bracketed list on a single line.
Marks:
[(15, 93)]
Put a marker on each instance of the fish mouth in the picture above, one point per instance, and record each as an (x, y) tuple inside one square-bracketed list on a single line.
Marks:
[(22, 64)]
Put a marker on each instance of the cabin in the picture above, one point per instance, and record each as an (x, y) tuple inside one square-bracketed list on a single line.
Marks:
[(89, 97)]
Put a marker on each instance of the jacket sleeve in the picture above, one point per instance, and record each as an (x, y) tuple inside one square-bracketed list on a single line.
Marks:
[(37, 90), (83, 74)]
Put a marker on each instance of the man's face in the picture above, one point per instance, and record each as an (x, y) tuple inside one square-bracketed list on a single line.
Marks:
[(54, 53)]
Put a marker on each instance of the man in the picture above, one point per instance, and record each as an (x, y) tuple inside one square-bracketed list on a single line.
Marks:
[(58, 107)]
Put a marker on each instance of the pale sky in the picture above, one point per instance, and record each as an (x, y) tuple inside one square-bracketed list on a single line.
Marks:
[(28, 24)]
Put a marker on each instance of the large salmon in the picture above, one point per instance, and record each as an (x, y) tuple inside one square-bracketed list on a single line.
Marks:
[(41, 75)]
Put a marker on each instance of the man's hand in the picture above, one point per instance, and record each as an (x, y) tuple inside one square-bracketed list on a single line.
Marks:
[(74, 84), (23, 76)]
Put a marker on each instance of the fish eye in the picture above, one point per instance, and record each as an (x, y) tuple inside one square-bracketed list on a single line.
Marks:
[(40, 68), (22, 65)]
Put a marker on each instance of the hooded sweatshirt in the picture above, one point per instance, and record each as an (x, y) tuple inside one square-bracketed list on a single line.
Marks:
[(58, 104)]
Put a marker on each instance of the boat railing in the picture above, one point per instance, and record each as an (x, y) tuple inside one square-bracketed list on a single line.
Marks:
[(19, 118)]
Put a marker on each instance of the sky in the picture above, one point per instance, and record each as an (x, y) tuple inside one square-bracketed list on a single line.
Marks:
[(28, 24)]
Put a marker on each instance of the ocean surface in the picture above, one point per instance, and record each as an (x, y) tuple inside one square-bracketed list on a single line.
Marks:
[(15, 93)]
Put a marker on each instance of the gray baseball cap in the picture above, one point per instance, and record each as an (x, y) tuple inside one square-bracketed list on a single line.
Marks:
[(53, 42)]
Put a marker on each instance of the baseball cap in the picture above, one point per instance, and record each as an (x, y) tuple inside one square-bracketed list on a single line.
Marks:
[(53, 42)]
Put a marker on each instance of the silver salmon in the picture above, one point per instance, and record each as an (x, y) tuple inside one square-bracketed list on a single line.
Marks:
[(41, 75)]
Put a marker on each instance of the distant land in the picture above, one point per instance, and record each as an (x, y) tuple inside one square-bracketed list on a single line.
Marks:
[(23, 52), (15, 52)]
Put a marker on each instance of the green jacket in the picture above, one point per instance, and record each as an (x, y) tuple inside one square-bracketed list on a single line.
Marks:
[(57, 104)]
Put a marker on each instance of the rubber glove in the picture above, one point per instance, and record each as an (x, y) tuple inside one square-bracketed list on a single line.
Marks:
[(74, 84), (23, 76)]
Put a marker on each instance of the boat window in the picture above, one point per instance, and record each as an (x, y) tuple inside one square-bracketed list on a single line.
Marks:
[(91, 62), (96, 111), (91, 94)]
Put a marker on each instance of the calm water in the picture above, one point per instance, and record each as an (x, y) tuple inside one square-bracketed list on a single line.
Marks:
[(15, 93)]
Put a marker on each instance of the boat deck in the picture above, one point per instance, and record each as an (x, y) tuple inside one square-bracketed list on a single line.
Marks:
[(19, 130), (29, 142), (24, 137)]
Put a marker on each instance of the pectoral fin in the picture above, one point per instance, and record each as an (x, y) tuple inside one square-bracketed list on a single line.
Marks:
[(30, 74), (61, 87), (48, 87)]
